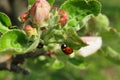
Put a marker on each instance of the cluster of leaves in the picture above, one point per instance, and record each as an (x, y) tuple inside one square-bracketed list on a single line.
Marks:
[(85, 19)]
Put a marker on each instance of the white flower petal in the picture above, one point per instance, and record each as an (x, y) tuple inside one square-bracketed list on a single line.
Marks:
[(94, 44)]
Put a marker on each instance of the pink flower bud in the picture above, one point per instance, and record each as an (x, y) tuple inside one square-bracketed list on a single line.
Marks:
[(40, 11), (29, 30), (62, 17), (23, 17)]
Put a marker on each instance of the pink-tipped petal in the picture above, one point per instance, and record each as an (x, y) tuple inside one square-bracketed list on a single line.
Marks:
[(94, 44), (40, 11), (62, 17)]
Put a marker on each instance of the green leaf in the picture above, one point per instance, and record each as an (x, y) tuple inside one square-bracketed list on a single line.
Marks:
[(111, 47), (51, 2), (5, 20), (98, 24), (94, 6), (67, 35), (35, 43), (31, 2), (94, 24), (72, 22), (3, 29), (57, 64), (72, 39), (112, 55), (102, 22), (112, 39), (76, 61), (81, 8), (13, 42)]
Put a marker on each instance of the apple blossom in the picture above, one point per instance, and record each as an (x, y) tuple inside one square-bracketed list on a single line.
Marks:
[(62, 17), (40, 11), (94, 44), (23, 17), (29, 30)]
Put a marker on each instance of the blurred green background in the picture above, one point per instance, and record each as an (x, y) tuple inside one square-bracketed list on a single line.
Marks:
[(95, 68)]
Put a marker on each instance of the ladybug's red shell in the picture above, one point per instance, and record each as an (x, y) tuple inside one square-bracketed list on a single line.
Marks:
[(66, 49)]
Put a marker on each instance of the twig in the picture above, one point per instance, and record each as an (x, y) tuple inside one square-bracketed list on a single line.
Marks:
[(12, 63)]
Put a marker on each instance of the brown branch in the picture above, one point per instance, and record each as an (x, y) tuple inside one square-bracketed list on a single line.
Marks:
[(11, 63)]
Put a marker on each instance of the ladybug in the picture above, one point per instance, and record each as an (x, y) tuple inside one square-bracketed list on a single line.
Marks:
[(66, 49)]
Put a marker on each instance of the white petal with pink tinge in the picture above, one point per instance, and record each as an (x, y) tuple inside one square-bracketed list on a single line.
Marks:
[(94, 44)]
